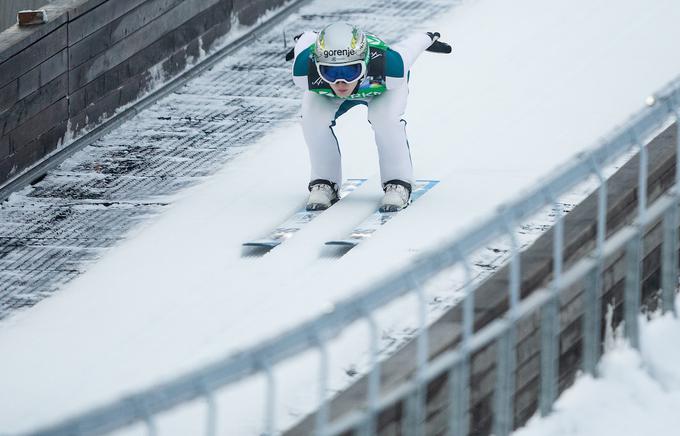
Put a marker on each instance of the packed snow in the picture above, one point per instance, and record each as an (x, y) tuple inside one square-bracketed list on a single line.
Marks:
[(636, 393), (530, 84)]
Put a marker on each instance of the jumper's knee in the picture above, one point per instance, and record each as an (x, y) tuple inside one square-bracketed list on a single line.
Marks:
[(381, 123)]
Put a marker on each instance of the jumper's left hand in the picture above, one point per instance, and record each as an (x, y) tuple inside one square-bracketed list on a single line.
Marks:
[(291, 54), (437, 45)]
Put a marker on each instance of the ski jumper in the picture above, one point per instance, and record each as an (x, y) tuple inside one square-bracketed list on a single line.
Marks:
[(384, 90)]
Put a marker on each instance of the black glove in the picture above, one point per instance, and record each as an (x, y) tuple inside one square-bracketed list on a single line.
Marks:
[(291, 54), (437, 45)]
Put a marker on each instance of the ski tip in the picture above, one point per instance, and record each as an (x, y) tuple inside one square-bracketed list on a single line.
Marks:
[(343, 243), (256, 249), (262, 244)]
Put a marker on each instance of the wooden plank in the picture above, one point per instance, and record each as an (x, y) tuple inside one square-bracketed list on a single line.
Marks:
[(32, 105), (9, 94), (81, 7), (4, 147), (16, 39), (53, 67), (6, 168), (106, 104), (116, 30), (172, 47), (94, 101), (39, 147), (38, 124), (136, 42), (248, 11), (24, 61), (29, 82), (40, 76), (100, 16)]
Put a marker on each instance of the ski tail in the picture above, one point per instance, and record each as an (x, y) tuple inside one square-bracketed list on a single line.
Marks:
[(378, 219), (298, 220)]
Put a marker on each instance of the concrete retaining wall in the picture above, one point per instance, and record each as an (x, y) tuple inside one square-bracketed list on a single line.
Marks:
[(93, 57), (491, 301)]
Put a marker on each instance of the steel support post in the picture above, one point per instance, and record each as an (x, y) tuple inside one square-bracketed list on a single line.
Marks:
[(321, 418), (211, 415), (408, 423), (505, 363), (422, 363), (459, 398), (550, 325), (669, 267), (592, 297), (549, 355), (370, 425), (151, 429), (632, 290), (459, 375), (270, 408), (505, 383), (592, 310), (634, 256)]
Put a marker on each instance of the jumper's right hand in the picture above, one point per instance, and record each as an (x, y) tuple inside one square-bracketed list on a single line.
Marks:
[(437, 45)]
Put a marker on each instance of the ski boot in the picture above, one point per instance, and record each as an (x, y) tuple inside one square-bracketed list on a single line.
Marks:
[(397, 196), (322, 194)]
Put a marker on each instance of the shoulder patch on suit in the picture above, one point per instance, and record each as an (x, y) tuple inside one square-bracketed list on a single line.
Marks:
[(301, 67), (395, 64)]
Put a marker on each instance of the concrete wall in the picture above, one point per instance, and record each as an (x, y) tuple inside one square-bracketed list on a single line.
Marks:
[(93, 57), (491, 301)]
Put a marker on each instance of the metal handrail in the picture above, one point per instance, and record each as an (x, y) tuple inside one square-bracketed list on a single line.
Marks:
[(315, 333)]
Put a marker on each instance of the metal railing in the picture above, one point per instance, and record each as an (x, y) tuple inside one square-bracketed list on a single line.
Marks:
[(315, 334)]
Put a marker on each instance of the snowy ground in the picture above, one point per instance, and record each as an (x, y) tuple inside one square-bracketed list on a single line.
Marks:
[(530, 84), (637, 393)]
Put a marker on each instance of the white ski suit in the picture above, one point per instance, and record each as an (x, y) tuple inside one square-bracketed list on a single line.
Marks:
[(385, 112)]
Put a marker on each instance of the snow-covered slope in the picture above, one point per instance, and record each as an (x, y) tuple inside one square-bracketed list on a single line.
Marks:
[(636, 393), (530, 84)]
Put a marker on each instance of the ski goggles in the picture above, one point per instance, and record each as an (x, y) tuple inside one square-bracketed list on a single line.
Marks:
[(341, 73)]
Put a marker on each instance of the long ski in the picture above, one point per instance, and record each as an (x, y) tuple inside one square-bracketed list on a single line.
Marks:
[(297, 221), (378, 219)]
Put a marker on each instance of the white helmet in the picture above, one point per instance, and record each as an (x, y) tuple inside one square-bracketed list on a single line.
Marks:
[(340, 45)]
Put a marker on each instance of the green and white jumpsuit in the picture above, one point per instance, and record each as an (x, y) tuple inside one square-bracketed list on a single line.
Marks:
[(384, 90)]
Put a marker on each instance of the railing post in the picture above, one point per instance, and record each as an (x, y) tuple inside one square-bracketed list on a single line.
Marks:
[(632, 291), (321, 418), (459, 375), (417, 405), (592, 301), (634, 256), (550, 324), (506, 359), (211, 412), (371, 424), (505, 383), (669, 267), (270, 408), (151, 429)]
